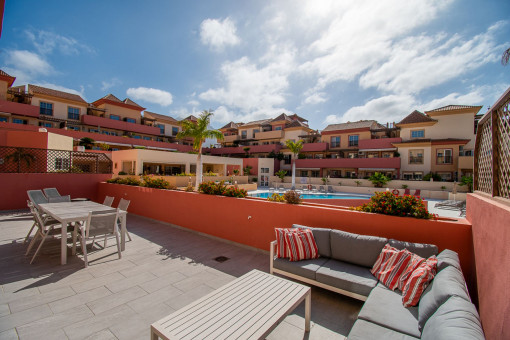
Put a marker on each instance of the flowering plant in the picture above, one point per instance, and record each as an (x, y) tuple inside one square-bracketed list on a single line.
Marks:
[(276, 198), (391, 204)]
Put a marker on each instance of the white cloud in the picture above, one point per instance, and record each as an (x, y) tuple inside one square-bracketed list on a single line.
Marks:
[(194, 103), (313, 98), (27, 62), (46, 42), (151, 95), (219, 34), (107, 84)]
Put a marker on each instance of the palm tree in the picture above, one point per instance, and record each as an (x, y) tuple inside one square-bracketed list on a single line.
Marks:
[(295, 148), (505, 57), (87, 142), (20, 155), (199, 131)]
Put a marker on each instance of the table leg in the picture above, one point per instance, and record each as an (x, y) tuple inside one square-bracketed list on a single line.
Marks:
[(308, 310), (123, 232), (63, 245)]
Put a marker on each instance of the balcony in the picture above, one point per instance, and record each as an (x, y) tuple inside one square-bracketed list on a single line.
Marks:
[(240, 150), (19, 109), (444, 160), (382, 144), (269, 134), (231, 139), (119, 125), (314, 147), (466, 162), (415, 160), (355, 163)]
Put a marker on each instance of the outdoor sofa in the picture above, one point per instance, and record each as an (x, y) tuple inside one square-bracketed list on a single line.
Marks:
[(445, 310)]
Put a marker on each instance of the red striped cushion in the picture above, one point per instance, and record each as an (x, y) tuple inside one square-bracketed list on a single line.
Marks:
[(301, 245), (391, 270), (282, 250), (415, 262), (418, 281), (385, 254)]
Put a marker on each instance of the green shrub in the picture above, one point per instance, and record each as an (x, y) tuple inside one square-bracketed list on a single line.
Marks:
[(292, 197), (467, 180), (122, 173), (434, 176), (185, 174), (281, 174), (405, 186), (276, 198), (212, 188), (127, 181), (210, 174), (390, 204), (157, 183), (378, 179)]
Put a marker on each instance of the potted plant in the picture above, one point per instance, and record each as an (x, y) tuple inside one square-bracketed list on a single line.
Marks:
[(358, 183), (378, 179), (281, 174)]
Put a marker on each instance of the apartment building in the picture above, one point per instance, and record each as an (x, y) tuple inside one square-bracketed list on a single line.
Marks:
[(439, 141)]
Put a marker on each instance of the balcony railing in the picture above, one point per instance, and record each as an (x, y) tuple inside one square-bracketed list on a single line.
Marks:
[(415, 160), (269, 134), (119, 125), (231, 138), (19, 108), (444, 160), (492, 150), (32, 160)]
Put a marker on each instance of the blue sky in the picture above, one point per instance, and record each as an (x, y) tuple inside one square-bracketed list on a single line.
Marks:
[(328, 61)]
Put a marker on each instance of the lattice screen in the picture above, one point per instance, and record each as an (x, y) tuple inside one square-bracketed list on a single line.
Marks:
[(484, 157), (503, 145)]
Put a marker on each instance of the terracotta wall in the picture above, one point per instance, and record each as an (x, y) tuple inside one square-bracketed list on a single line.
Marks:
[(15, 186), (252, 221), (491, 242)]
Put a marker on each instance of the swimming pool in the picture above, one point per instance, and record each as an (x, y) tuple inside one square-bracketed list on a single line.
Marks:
[(338, 196)]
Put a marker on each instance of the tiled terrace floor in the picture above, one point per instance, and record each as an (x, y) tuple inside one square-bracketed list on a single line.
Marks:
[(163, 269)]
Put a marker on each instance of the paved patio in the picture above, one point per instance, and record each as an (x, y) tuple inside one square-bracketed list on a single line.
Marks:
[(163, 269)]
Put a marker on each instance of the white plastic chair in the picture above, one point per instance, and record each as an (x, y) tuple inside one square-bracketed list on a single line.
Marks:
[(98, 223)]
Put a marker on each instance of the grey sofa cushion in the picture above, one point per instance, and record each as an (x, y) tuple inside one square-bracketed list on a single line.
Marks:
[(455, 319), (446, 283), (364, 330), (448, 258), (421, 249), (322, 238), (384, 307), (346, 276), (354, 248), (304, 268)]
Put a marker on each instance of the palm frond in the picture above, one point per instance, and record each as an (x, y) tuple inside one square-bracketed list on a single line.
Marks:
[(505, 57)]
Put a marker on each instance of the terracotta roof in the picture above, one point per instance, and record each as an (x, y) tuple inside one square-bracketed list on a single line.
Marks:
[(295, 116), (283, 116), (130, 102), (157, 116), (257, 122), (112, 98), (7, 77), (3, 73), (416, 117), (454, 107), (231, 125), (55, 93), (361, 124), (191, 117)]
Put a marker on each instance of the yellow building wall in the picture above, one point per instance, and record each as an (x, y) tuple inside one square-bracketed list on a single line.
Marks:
[(404, 159), (123, 112), (293, 134), (3, 90), (445, 167), (59, 105), (344, 138), (59, 142)]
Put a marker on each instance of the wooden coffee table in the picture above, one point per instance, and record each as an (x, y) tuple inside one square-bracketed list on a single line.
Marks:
[(249, 307)]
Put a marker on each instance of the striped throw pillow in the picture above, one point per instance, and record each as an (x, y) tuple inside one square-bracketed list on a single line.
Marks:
[(390, 270), (282, 250), (385, 254), (301, 245), (418, 281), (415, 262)]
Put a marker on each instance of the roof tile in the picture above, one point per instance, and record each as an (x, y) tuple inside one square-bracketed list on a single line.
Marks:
[(55, 93), (416, 117)]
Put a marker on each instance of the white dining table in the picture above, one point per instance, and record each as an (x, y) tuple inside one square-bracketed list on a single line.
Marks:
[(67, 212)]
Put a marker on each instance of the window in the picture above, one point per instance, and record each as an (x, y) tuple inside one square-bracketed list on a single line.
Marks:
[(131, 120), (335, 142), (73, 113), (244, 134), (62, 164), (94, 130), (75, 128), (45, 124), (418, 134), (137, 137), (255, 131), (445, 176), (175, 130), (415, 156), (315, 173), (3, 119), (264, 170), (114, 117), (19, 121), (304, 173), (46, 108), (278, 128), (286, 159), (444, 156), (146, 138), (353, 140), (161, 128)]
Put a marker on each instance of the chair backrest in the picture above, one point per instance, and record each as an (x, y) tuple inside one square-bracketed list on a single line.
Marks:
[(124, 204), (108, 200), (417, 192), (101, 222), (51, 192), (37, 197), (59, 199), (407, 191)]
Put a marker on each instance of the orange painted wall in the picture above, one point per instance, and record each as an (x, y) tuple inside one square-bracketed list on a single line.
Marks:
[(252, 221), (254, 163), (24, 139), (15, 186), (491, 242)]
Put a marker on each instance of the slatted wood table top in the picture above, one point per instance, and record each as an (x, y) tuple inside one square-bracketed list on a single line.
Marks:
[(249, 307)]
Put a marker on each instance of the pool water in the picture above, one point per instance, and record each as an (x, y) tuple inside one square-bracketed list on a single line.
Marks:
[(317, 196)]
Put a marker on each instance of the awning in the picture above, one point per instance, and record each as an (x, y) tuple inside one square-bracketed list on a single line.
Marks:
[(377, 169)]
